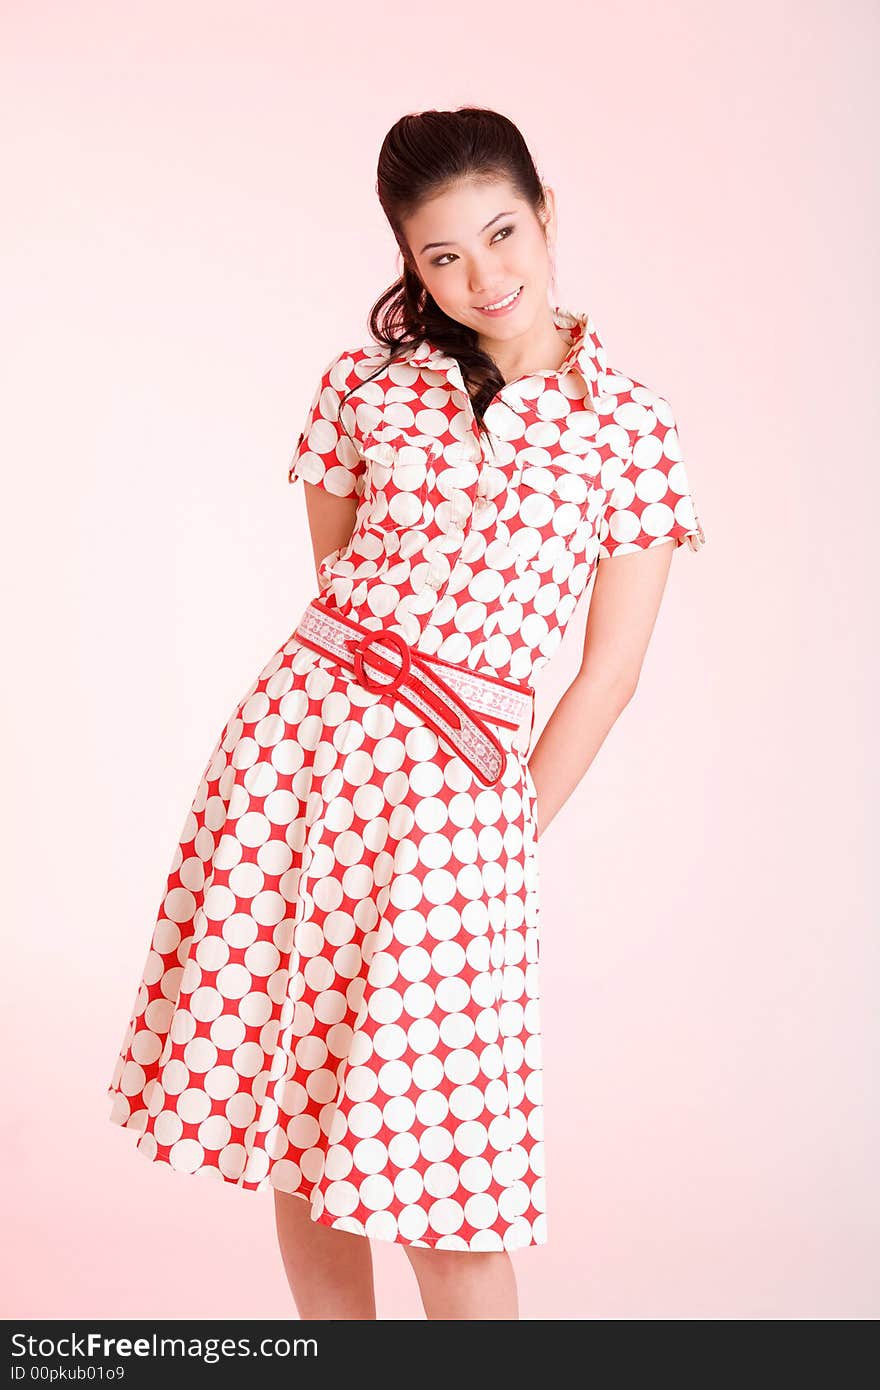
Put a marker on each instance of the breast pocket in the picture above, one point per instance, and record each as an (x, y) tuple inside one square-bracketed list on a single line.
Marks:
[(398, 481), (549, 502)]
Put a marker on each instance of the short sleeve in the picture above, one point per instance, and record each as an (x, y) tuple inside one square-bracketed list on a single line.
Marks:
[(325, 452), (650, 500)]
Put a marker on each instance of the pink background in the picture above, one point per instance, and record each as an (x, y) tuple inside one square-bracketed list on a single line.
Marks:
[(191, 232)]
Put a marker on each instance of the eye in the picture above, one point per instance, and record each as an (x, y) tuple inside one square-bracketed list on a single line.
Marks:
[(440, 260)]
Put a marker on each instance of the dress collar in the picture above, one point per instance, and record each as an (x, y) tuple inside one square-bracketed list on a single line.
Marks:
[(586, 354)]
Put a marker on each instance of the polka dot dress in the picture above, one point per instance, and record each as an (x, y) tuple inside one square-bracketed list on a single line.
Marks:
[(340, 999)]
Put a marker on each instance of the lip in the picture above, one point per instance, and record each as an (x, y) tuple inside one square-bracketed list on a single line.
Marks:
[(499, 313)]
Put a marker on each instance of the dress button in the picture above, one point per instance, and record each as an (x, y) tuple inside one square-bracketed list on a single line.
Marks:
[(436, 576)]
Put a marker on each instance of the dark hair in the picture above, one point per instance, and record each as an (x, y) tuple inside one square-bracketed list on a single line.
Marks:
[(423, 155)]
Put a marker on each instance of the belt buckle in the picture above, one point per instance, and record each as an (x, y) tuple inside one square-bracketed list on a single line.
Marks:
[(363, 647)]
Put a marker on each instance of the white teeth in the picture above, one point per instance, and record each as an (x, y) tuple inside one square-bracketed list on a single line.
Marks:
[(502, 302)]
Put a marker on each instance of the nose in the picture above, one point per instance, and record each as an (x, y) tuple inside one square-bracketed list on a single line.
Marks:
[(481, 277)]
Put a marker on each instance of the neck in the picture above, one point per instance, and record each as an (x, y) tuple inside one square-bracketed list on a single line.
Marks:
[(542, 349)]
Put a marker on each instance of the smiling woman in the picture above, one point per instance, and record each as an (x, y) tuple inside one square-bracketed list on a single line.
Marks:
[(494, 280), (341, 1000)]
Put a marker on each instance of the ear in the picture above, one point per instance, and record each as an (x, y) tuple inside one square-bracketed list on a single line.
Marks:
[(549, 218)]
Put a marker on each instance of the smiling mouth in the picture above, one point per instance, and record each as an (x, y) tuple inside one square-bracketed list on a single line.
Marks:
[(500, 305)]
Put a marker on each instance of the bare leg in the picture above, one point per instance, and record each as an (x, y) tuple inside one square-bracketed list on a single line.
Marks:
[(330, 1273), (465, 1284)]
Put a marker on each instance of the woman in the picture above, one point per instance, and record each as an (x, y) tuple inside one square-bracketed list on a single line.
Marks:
[(341, 998)]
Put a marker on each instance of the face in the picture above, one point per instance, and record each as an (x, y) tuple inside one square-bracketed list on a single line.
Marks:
[(492, 246)]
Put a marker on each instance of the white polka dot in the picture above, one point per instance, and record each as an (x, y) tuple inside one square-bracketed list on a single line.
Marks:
[(445, 1216)]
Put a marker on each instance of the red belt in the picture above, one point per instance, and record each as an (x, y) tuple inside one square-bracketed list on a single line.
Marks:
[(457, 703)]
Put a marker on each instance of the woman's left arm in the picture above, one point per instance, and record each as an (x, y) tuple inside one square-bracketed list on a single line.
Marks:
[(626, 596)]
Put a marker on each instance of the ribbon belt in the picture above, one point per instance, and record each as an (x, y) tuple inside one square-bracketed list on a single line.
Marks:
[(457, 703)]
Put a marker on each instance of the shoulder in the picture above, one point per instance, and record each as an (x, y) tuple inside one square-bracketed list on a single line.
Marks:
[(361, 381), (354, 366), (641, 409), (634, 396), (356, 385)]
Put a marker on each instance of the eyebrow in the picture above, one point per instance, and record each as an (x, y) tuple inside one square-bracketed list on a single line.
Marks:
[(430, 245)]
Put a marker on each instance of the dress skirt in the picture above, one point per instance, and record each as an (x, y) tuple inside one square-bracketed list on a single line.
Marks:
[(340, 999)]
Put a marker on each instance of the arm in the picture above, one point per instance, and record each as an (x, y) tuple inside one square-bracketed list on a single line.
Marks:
[(327, 461), (331, 521), (623, 609)]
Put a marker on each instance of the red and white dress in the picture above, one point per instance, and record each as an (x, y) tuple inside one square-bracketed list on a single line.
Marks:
[(341, 994)]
